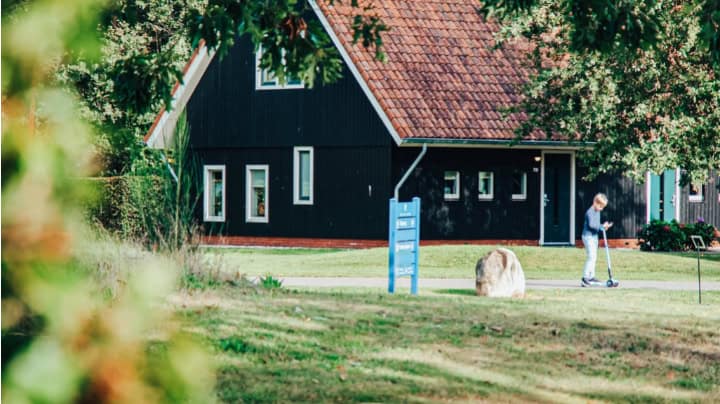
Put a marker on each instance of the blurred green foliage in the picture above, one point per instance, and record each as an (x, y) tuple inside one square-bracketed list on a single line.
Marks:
[(63, 340)]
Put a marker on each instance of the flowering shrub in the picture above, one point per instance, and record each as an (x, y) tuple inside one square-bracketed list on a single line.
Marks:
[(659, 235), (702, 229)]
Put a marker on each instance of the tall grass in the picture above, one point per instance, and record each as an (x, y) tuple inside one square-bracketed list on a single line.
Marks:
[(159, 210)]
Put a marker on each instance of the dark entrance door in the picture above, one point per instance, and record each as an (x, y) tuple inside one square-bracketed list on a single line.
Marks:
[(557, 199)]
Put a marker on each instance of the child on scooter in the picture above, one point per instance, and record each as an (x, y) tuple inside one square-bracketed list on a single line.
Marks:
[(591, 229)]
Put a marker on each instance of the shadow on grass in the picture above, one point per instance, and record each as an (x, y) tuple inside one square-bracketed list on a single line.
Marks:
[(345, 347), (704, 255), (270, 250), (462, 292)]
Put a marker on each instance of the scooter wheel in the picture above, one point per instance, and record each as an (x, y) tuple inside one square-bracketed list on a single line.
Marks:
[(610, 283)]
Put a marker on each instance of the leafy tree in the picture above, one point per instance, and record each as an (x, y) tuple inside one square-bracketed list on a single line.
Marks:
[(636, 79), (144, 47)]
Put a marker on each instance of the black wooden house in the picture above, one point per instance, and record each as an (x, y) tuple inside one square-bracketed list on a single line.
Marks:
[(287, 161)]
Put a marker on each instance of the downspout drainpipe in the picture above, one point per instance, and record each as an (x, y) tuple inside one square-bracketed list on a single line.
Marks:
[(410, 170), (167, 163)]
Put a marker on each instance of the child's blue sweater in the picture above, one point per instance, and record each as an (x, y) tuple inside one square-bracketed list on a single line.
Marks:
[(592, 224)]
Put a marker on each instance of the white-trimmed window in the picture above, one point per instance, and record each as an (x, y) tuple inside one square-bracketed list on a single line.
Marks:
[(519, 186), (266, 80), (257, 202), (485, 185), (214, 200), (697, 193), (303, 173), (452, 185)]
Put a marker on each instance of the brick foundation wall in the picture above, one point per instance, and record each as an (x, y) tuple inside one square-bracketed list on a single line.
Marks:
[(614, 243), (354, 243)]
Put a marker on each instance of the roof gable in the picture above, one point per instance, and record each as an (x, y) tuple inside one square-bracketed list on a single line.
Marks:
[(442, 80)]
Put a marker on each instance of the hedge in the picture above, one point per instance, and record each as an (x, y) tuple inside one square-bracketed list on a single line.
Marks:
[(130, 206)]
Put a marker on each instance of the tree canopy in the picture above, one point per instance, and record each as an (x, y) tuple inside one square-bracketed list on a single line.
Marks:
[(637, 80)]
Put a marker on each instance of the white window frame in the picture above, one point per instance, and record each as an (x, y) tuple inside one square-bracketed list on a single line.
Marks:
[(296, 175), (259, 73), (491, 195), (700, 198), (207, 170), (456, 195), (249, 218), (523, 186)]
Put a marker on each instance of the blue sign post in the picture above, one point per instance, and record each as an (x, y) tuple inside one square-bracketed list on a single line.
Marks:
[(404, 242)]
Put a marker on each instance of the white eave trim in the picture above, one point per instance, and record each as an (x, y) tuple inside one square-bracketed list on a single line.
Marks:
[(161, 133), (346, 57)]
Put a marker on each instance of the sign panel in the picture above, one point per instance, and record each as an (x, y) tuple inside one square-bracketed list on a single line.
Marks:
[(404, 242)]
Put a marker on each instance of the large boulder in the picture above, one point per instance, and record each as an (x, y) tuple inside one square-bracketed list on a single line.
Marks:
[(499, 274)]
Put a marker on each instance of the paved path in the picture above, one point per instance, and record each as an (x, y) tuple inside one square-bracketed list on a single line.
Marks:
[(437, 283)]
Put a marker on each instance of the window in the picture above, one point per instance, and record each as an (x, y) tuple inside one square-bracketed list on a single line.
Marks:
[(485, 185), (214, 200), (256, 196), (303, 176), (697, 193), (452, 185), (265, 80), (519, 186)]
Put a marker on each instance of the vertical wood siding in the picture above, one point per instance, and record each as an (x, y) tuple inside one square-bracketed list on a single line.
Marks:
[(233, 124), (626, 208), (468, 217), (343, 206), (226, 110), (708, 209)]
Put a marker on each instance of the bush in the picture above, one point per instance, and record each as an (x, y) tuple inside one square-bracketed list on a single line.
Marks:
[(154, 203), (105, 209), (121, 203), (659, 235), (702, 229)]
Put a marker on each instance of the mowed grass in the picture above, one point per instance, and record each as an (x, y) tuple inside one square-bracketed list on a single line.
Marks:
[(460, 261), (448, 346)]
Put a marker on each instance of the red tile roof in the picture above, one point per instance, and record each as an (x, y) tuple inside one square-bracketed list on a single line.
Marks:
[(442, 79)]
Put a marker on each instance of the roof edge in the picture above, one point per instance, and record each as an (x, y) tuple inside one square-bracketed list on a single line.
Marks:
[(356, 73), (166, 120), (495, 143)]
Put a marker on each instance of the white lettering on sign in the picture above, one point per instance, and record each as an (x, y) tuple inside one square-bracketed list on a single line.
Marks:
[(405, 223), (404, 271), (404, 246)]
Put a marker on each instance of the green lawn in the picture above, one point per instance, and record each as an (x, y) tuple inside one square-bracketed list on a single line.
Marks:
[(442, 346), (459, 262)]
